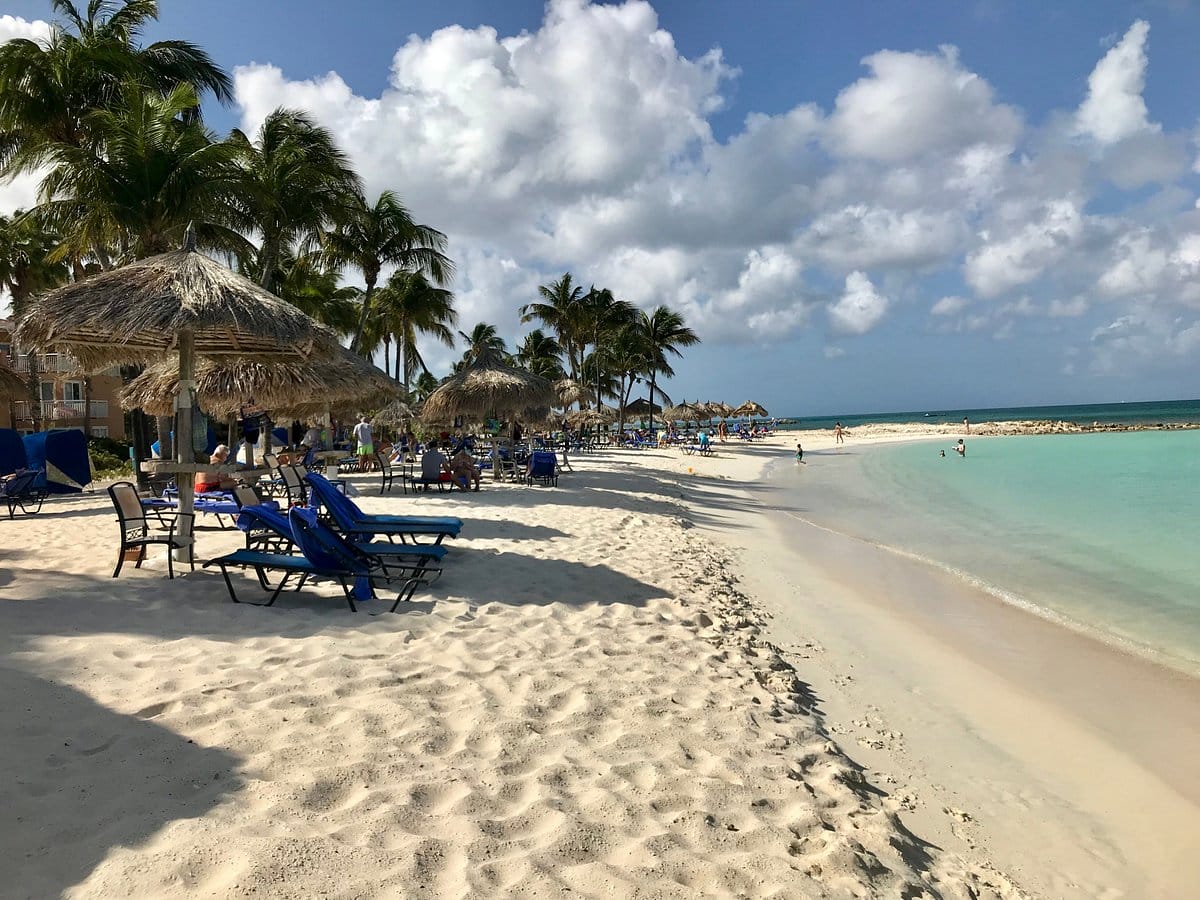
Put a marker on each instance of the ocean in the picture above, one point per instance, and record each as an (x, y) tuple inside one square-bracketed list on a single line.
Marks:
[(1099, 532), (1147, 413)]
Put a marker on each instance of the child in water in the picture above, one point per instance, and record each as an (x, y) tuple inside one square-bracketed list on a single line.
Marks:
[(960, 448), (800, 454)]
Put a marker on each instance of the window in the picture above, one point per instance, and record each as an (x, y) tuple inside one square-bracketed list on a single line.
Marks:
[(46, 391), (99, 431), (72, 390)]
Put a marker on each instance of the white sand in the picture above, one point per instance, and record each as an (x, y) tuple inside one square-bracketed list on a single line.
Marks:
[(586, 703)]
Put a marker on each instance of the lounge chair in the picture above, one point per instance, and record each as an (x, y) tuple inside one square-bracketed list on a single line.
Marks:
[(543, 467), (325, 556), (25, 491), (270, 530), (135, 528), (357, 525)]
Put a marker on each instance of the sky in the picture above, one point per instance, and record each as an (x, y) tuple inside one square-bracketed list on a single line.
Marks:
[(859, 206)]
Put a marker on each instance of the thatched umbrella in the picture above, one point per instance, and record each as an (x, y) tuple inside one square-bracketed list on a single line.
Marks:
[(222, 387), (684, 412), (179, 302), (602, 416), (12, 385), (395, 414), (750, 408), (489, 387), (642, 407)]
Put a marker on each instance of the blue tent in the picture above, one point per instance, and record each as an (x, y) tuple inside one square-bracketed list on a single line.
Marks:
[(12, 452), (64, 456)]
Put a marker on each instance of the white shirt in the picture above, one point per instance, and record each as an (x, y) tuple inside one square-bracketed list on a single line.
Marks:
[(362, 433)]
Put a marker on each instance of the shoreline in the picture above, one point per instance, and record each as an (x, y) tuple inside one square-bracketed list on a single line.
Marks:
[(1121, 725)]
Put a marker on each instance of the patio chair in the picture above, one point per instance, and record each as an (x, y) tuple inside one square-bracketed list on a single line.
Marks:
[(325, 556), (357, 525), (295, 485), (543, 467), (24, 491), (388, 474), (136, 533)]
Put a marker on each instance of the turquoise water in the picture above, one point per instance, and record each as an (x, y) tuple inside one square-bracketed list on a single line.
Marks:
[(1099, 531), (1141, 413)]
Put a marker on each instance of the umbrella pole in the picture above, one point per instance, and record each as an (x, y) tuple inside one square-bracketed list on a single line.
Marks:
[(183, 443)]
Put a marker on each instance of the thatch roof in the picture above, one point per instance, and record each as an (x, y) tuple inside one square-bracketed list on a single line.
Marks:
[(136, 313), (602, 416), (684, 412), (395, 413), (12, 385), (488, 387), (295, 388), (642, 407), (750, 408), (716, 409)]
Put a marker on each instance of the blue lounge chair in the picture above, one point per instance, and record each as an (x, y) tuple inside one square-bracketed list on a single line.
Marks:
[(543, 467), (357, 525), (326, 556), (24, 491), (270, 530)]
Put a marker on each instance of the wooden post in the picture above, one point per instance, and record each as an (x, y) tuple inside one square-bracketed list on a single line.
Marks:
[(183, 441)]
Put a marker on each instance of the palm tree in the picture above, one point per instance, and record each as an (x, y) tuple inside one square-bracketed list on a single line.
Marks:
[(483, 341), (561, 312), (143, 177), (541, 355), (602, 315), (370, 237), (426, 384), (408, 305), (26, 269), (662, 331), (25, 264), (316, 292), (48, 89), (295, 181)]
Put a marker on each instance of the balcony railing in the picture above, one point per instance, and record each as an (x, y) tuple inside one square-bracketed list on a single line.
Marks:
[(60, 363), (60, 410)]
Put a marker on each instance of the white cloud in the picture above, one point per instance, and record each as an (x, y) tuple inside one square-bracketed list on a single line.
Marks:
[(15, 27), (584, 145), (834, 352), (1114, 108), (21, 192), (918, 103), (1040, 239), (860, 308), (948, 306)]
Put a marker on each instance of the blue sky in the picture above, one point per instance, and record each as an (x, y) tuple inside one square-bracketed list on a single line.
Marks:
[(860, 206)]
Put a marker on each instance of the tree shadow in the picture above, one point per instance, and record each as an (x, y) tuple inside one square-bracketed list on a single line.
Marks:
[(87, 780)]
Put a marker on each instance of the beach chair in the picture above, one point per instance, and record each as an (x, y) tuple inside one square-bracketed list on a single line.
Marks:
[(24, 491), (357, 525), (543, 467), (325, 556), (136, 533), (270, 530), (387, 474)]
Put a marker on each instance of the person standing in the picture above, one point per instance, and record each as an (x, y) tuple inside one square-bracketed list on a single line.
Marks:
[(966, 425), (366, 443), (838, 433)]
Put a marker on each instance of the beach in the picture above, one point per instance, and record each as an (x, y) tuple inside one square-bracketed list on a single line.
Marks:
[(622, 686)]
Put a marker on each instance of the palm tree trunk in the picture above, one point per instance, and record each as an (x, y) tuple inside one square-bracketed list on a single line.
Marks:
[(268, 265), (387, 352), (652, 374), (356, 344), (87, 406)]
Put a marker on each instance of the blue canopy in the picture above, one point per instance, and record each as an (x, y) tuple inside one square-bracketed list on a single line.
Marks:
[(63, 454)]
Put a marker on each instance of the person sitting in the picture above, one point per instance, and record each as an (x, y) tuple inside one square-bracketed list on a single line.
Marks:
[(434, 465), (463, 470), (211, 480), (312, 437)]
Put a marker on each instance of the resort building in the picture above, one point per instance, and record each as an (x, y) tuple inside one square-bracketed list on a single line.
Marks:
[(65, 398)]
